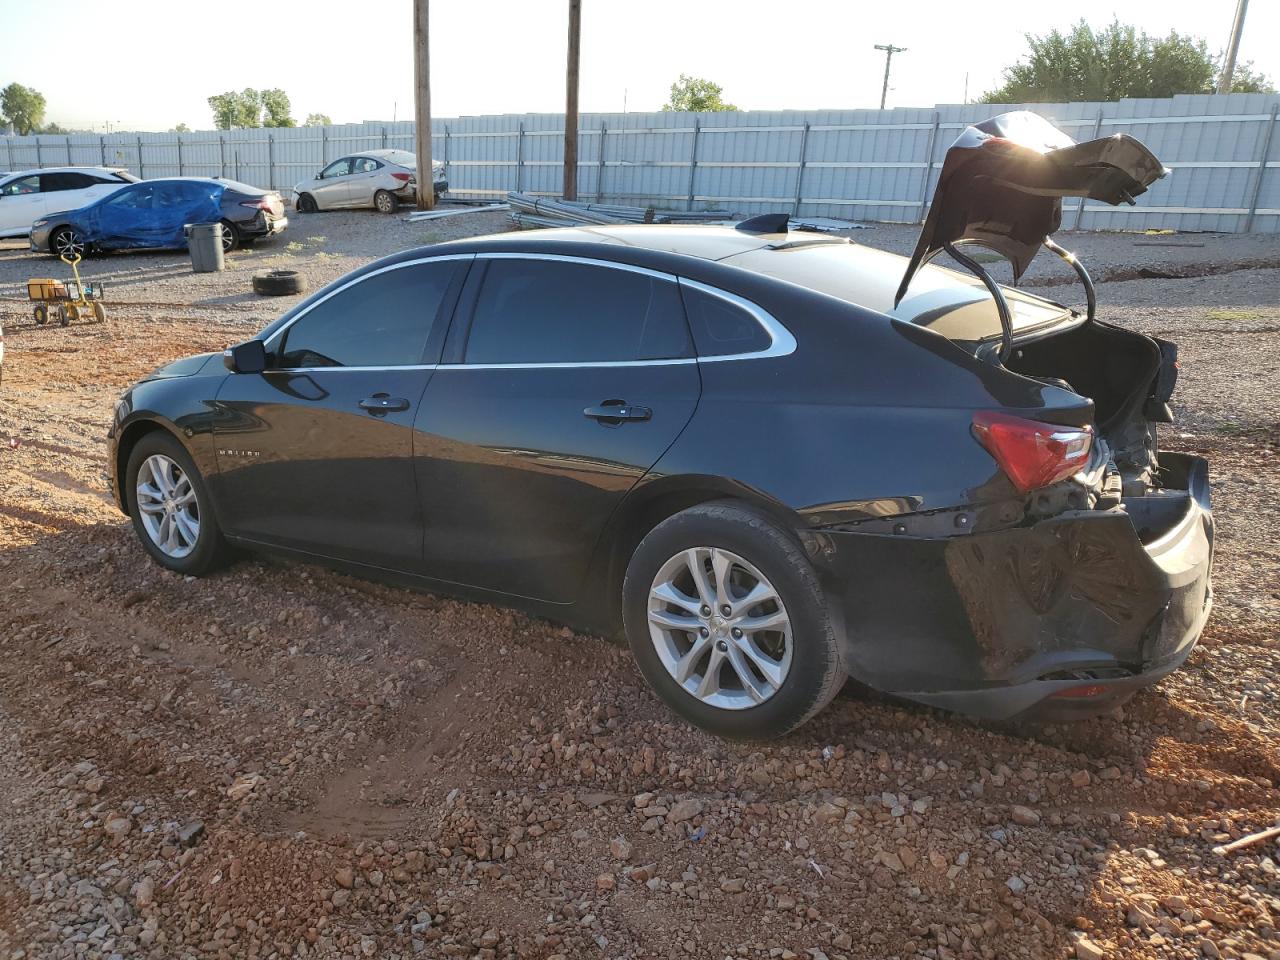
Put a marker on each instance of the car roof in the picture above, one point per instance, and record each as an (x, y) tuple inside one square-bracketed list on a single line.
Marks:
[(834, 266), (73, 169)]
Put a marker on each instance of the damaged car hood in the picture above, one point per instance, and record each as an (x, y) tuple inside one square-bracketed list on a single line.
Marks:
[(1003, 180)]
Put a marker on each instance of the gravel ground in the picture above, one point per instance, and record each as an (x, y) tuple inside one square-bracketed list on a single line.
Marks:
[(282, 761)]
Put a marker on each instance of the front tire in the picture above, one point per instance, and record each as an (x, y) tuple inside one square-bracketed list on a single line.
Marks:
[(67, 242), (727, 621), (385, 202), (307, 203), (170, 507)]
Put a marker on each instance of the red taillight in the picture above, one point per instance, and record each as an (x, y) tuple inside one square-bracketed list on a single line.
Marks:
[(263, 204), (1032, 453), (402, 177)]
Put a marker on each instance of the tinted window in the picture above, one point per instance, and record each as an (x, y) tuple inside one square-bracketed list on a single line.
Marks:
[(720, 327), (21, 187), (382, 321), (547, 311), (50, 182)]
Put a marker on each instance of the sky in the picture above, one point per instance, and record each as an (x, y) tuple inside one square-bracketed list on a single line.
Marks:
[(149, 65)]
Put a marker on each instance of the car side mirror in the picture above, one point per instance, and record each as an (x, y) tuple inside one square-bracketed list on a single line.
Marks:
[(247, 357)]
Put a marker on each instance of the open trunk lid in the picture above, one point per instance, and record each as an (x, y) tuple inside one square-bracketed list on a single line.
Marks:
[(1003, 180)]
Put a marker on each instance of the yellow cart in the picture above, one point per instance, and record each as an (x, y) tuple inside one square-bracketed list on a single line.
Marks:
[(66, 302)]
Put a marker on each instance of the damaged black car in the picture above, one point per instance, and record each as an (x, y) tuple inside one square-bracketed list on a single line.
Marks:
[(773, 459)]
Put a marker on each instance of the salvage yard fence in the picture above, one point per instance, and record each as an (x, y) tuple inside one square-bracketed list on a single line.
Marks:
[(876, 165)]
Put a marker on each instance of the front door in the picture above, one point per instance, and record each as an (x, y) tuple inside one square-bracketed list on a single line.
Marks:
[(571, 381), (315, 453), (331, 188), (21, 203)]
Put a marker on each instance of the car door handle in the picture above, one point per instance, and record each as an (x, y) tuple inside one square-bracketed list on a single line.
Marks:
[(616, 411), (383, 403)]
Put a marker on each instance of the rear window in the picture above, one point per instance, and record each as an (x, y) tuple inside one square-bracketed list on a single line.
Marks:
[(401, 158), (239, 187), (950, 302)]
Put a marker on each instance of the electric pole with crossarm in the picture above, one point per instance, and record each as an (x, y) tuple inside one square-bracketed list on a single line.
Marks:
[(889, 50)]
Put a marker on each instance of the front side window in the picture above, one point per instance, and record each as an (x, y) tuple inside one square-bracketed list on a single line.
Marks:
[(550, 311), (721, 328), (21, 187), (138, 198), (339, 168), (381, 321)]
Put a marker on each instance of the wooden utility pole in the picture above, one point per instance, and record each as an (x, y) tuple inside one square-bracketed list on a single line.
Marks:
[(422, 103), (889, 51), (1233, 47), (571, 103)]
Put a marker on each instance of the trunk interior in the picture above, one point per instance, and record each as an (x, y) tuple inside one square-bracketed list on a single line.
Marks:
[(1129, 377)]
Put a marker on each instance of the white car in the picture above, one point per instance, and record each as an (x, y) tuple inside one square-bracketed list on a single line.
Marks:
[(29, 195), (382, 179)]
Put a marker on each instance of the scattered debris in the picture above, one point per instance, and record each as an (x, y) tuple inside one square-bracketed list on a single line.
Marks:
[(530, 211), (1262, 836)]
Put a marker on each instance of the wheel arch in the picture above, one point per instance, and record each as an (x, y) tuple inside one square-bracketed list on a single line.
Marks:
[(646, 506), (130, 435)]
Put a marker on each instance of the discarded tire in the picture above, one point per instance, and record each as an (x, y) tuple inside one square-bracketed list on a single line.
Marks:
[(279, 283)]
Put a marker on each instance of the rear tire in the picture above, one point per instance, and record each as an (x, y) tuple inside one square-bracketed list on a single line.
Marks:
[(40, 314), (385, 202), (307, 203), (196, 547), (792, 672), (231, 239)]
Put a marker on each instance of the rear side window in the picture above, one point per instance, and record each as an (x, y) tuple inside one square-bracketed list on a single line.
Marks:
[(51, 182), (721, 328), (365, 165), (382, 321), (550, 311)]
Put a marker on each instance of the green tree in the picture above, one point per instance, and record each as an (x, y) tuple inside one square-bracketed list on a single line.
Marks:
[(275, 106), (696, 94), (22, 107), (180, 128), (232, 109), (1113, 62), (317, 120)]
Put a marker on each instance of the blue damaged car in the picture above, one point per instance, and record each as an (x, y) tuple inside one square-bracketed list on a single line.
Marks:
[(151, 214)]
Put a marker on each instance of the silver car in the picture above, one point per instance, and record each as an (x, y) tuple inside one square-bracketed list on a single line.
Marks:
[(382, 179)]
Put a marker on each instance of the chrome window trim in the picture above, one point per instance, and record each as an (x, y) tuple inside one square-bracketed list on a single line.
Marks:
[(781, 342), (346, 286)]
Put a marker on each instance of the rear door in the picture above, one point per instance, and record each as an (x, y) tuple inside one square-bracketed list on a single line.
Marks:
[(315, 453), (21, 203), (364, 181), (569, 381)]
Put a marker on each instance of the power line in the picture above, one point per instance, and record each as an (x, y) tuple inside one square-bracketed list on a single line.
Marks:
[(889, 50)]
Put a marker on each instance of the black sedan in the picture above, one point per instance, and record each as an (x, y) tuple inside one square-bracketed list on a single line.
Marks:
[(731, 443), (152, 214)]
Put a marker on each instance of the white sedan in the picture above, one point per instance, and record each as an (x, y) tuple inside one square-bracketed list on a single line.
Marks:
[(382, 179), (29, 195)]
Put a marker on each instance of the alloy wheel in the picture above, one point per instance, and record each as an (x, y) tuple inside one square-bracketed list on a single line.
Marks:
[(386, 203), (228, 239), (167, 506), (67, 243), (720, 628)]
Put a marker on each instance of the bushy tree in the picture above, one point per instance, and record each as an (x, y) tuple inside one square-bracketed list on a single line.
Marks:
[(1114, 62), (180, 128), (275, 107), (317, 120), (696, 94), (237, 109), (22, 107)]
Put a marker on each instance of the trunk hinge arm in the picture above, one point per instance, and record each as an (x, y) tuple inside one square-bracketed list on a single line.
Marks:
[(1002, 305), (1091, 296)]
